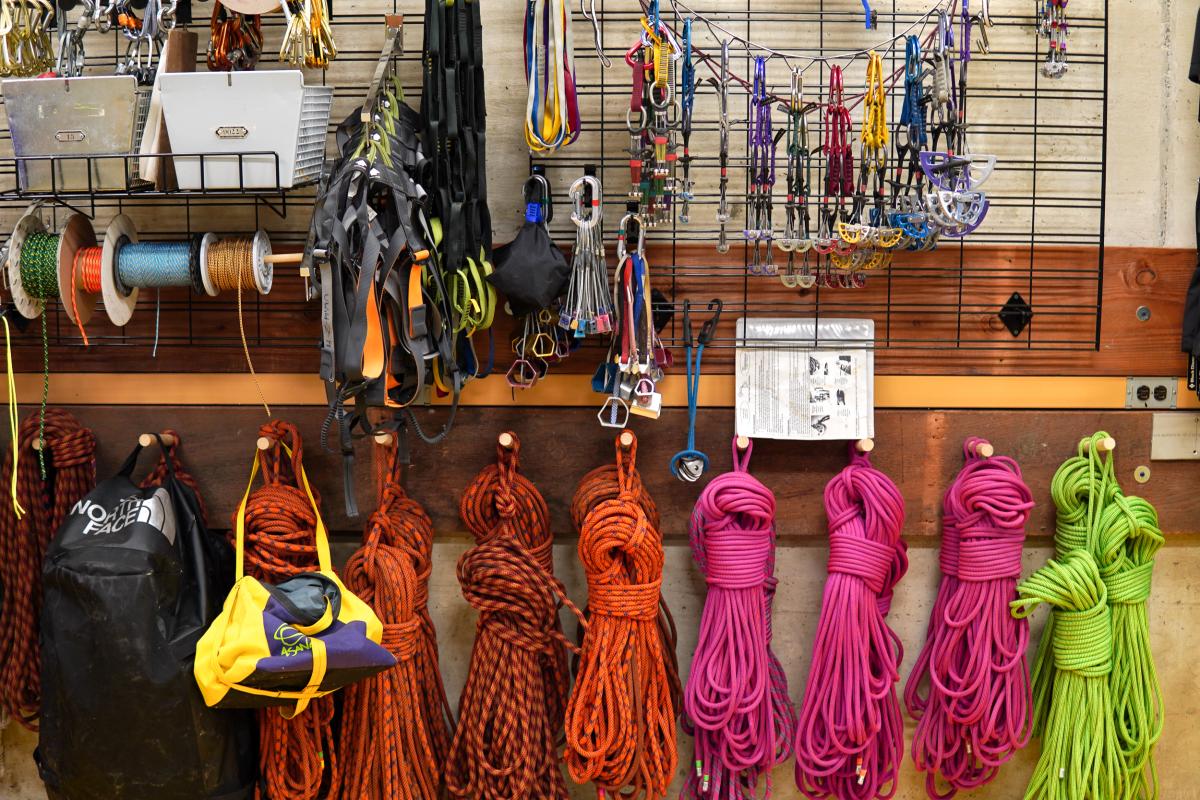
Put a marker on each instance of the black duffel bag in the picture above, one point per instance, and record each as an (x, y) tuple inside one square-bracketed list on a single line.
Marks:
[(131, 581)]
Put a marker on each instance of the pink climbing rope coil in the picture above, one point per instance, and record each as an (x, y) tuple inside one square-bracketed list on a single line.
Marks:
[(850, 735), (969, 689), (736, 699)]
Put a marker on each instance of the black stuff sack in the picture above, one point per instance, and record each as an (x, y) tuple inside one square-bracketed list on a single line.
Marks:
[(131, 581), (530, 270)]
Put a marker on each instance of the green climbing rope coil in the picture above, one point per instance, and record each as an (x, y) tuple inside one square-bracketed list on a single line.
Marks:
[(39, 278), (1098, 706)]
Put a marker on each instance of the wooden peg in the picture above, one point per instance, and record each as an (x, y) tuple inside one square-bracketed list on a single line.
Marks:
[(284, 258), (38, 444), (384, 438), (626, 439), (147, 439), (985, 450), (864, 445), (1105, 445), (507, 440), (742, 443), (264, 443)]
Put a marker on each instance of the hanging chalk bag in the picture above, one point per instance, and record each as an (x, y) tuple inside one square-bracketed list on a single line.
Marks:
[(286, 644)]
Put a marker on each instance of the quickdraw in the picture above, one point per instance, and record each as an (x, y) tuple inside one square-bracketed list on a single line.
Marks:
[(839, 178), (911, 137), (690, 464), (308, 38), (722, 86), (552, 106), (688, 90), (761, 146), (797, 235), (587, 308)]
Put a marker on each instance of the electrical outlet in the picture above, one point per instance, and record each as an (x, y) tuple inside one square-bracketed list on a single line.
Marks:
[(1151, 392)]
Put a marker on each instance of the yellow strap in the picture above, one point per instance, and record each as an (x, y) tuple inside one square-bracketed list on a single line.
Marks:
[(313, 689), (324, 561), (14, 420), (324, 622)]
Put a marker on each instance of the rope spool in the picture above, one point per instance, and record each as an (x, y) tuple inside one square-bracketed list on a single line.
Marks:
[(236, 263)]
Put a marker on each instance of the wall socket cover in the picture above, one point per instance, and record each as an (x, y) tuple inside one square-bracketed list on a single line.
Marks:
[(1155, 393)]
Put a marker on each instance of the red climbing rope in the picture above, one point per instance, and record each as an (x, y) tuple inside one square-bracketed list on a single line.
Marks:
[(621, 716), (296, 756), (395, 726), (511, 711), (70, 451)]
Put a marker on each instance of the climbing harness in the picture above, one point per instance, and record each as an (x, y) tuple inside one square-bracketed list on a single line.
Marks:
[(513, 704), (761, 146), (689, 464), (736, 703), (850, 736), (45, 500), (621, 713), (969, 688), (587, 309), (797, 234), (396, 726), (551, 107)]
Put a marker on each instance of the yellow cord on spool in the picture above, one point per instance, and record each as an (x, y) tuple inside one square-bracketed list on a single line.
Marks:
[(231, 266)]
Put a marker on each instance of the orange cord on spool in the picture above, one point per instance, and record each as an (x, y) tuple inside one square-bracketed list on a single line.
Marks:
[(395, 726), (85, 273), (296, 756), (621, 716), (511, 711), (71, 453)]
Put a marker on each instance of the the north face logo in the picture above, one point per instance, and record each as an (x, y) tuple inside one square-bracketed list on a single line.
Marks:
[(153, 511)]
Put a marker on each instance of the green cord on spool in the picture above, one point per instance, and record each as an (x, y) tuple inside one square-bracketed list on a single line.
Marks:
[(39, 278), (1096, 743)]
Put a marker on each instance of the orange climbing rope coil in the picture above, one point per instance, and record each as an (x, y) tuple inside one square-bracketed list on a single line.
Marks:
[(70, 456), (511, 711), (396, 726), (622, 712), (296, 756)]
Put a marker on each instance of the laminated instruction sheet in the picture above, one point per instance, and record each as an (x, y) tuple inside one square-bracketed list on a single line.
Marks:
[(800, 378)]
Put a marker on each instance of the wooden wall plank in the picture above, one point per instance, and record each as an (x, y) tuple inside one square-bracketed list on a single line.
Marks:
[(918, 325), (920, 450)]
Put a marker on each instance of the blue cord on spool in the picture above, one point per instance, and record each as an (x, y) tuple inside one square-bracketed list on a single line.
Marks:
[(155, 265)]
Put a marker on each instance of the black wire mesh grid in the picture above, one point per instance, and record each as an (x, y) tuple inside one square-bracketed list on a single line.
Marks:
[(1043, 238)]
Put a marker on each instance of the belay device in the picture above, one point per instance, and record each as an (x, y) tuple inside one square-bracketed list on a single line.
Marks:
[(131, 581)]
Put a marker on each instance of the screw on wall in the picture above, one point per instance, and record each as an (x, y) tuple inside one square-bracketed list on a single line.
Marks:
[(1143, 313), (1142, 474)]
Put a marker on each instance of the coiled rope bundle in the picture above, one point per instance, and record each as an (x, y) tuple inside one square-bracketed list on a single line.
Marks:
[(850, 736), (736, 699), (621, 715), (29, 517), (1097, 528), (969, 689), (512, 706), (395, 726), (297, 756)]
